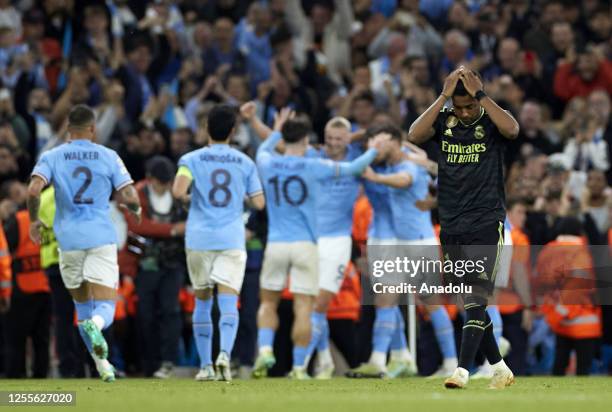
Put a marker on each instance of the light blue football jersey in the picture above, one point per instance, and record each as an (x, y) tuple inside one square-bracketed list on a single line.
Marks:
[(292, 186), (83, 174), (410, 223), (337, 198), (381, 227), (222, 177)]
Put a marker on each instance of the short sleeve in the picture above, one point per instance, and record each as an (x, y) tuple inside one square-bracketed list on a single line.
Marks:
[(120, 175), (253, 182), (324, 168), (43, 168)]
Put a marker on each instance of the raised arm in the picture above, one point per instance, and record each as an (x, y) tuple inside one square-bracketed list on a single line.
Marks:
[(422, 129), (249, 112), (503, 120), (400, 180), (358, 165)]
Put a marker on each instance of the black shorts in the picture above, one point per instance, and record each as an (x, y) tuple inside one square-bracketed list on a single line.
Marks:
[(483, 249)]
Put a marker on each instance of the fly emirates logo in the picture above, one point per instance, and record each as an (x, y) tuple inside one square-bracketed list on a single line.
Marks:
[(458, 153)]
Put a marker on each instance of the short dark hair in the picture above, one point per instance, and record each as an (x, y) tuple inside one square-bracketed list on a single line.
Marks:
[(161, 168), (460, 89), (390, 128), (221, 120), (295, 130), (81, 115)]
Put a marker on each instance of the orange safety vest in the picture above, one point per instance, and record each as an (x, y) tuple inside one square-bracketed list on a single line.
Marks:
[(568, 308), (29, 276), (508, 300), (5, 266), (347, 302)]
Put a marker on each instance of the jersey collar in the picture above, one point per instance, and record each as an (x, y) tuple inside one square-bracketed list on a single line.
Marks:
[(475, 121)]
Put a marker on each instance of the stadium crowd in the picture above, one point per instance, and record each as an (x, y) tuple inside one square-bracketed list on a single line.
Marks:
[(153, 69)]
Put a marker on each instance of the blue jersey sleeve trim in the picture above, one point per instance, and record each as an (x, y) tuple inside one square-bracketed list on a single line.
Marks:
[(124, 184), (43, 177), (358, 165)]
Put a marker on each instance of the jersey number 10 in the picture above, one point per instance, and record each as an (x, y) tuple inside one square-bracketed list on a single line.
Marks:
[(291, 199)]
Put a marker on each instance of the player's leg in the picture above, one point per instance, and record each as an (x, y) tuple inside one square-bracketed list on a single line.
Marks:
[(334, 255), (267, 324), (485, 371), (273, 279), (445, 335), (228, 274), (385, 323), (300, 333), (319, 339), (304, 285), (199, 265), (72, 269), (401, 363)]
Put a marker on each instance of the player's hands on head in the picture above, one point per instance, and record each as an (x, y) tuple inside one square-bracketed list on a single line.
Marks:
[(451, 82), (35, 231), (471, 82), (248, 110), (281, 117)]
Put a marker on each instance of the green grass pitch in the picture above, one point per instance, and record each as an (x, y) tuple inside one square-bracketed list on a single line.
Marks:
[(417, 394)]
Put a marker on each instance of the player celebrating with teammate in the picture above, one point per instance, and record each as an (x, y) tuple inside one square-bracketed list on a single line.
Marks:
[(335, 221), (471, 203), (220, 178), (291, 184), (84, 174)]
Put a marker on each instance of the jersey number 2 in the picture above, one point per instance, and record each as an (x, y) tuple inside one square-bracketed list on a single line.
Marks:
[(78, 197)]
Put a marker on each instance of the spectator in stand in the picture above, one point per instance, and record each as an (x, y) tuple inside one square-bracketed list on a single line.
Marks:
[(327, 29), (133, 74), (599, 106), (590, 71), (532, 135), (223, 54), (587, 150)]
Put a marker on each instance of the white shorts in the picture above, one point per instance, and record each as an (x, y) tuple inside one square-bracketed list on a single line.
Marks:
[(505, 261), (96, 265), (334, 255), (298, 260), (209, 267)]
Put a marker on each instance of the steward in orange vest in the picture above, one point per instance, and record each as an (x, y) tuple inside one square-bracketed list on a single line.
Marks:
[(30, 310), (565, 277)]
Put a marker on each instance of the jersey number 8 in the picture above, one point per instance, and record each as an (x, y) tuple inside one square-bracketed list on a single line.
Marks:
[(220, 180)]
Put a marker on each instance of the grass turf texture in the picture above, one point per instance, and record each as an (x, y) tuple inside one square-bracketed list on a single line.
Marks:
[(354, 395)]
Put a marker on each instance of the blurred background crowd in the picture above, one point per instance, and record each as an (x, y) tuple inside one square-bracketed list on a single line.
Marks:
[(153, 69)]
